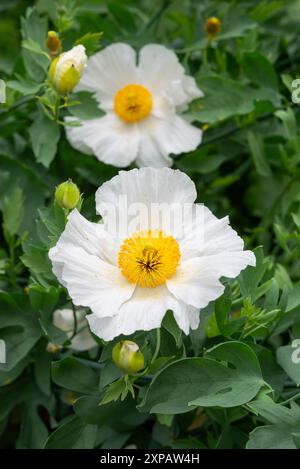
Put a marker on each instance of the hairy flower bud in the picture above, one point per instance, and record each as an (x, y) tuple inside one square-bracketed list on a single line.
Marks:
[(67, 195), (53, 43), (65, 70), (128, 357), (212, 27)]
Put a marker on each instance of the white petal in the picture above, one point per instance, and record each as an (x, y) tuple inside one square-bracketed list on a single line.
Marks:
[(144, 311), (148, 185), (109, 138), (93, 283), (195, 283), (108, 71), (205, 234), (83, 340), (191, 88), (229, 264), (64, 320), (79, 136), (141, 189), (174, 136), (150, 154), (90, 236), (187, 317), (160, 71)]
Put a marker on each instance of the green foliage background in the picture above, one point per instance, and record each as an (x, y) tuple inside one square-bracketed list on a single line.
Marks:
[(232, 382)]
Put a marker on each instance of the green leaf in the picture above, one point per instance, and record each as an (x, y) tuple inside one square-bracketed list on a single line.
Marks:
[(87, 108), (44, 135), (34, 32), (121, 416), (288, 358), (119, 389), (260, 70), (257, 150), (19, 328), (34, 47), (71, 373), (222, 99), (73, 434), (206, 382), (13, 211), (25, 86), (171, 326), (251, 277), (284, 424), (91, 42), (123, 15)]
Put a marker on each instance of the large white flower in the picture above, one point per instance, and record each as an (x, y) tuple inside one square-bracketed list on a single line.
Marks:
[(130, 280), (143, 105)]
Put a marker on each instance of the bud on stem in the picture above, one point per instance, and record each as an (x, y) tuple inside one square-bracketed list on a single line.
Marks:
[(65, 70), (128, 357), (67, 195)]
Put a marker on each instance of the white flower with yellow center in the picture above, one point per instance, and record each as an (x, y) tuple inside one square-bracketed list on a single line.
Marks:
[(143, 107), (129, 278), (63, 319)]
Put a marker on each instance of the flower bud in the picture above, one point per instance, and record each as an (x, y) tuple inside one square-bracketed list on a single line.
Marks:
[(67, 195), (65, 70), (128, 357), (53, 43), (53, 348), (212, 27)]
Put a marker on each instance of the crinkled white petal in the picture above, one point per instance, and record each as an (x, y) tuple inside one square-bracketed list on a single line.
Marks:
[(92, 282), (186, 316), (205, 234), (160, 70), (110, 139), (108, 71), (195, 283), (172, 136), (147, 186), (135, 197), (79, 232), (144, 311)]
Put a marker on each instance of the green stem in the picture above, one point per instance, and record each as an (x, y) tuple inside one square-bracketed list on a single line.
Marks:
[(155, 18), (157, 348), (56, 111)]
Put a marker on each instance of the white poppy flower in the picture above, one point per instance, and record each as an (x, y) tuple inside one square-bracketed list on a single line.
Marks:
[(63, 319), (143, 105), (129, 281)]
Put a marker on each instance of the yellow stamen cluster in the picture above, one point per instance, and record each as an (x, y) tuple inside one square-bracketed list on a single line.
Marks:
[(149, 258), (133, 103)]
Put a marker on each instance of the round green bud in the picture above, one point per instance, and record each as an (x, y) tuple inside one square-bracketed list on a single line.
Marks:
[(128, 357), (67, 195)]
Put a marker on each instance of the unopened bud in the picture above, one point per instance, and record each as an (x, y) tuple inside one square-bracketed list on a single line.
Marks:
[(53, 43), (65, 70), (212, 27), (67, 195), (53, 348), (128, 357)]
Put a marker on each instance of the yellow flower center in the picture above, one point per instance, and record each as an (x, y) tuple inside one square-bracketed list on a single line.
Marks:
[(149, 258), (133, 103)]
